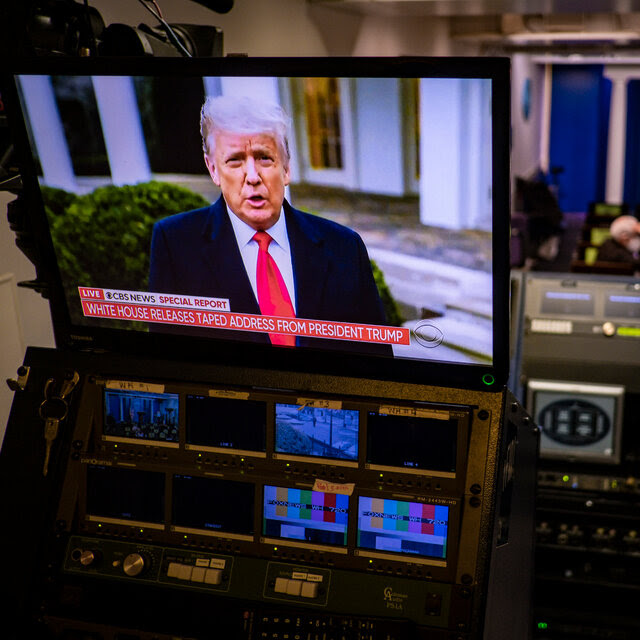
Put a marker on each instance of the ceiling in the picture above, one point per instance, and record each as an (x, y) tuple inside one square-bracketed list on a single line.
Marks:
[(481, 7), (596, 27)]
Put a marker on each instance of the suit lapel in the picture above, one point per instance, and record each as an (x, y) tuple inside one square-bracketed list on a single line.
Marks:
[(224, 268), (311, 264)]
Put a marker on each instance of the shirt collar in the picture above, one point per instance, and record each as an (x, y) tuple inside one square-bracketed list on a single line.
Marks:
[(244, 233)]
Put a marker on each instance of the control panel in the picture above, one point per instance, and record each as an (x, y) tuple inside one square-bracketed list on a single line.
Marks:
[(274, 505)]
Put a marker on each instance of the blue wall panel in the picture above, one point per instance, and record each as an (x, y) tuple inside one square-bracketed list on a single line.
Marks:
[(632, 153), (579, 124)]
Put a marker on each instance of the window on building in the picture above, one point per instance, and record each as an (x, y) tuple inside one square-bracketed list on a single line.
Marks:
[(322, 112), (78, 109)]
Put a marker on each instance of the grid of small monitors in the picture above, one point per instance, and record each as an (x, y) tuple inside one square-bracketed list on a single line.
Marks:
[(224, 507), (217, 506)]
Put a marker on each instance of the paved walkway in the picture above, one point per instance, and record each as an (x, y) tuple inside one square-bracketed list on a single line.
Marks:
[(436, 275)]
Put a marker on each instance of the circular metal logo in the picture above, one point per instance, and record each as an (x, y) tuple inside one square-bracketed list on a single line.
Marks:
[(428, 335)]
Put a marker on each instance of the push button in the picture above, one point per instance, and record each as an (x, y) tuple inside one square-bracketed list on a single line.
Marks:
[(281, 585), (197, 575), (213, 576), (184, 573), (173, 570), (294, 586), (434, 604), (309, 590)]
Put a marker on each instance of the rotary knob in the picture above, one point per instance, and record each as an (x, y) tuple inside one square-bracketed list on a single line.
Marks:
[(89, 557), (134, 564)]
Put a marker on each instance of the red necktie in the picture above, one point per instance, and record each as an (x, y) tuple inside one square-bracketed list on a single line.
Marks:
[(273, 296)]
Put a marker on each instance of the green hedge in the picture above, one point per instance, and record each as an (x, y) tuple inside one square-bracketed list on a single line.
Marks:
[(103, 238)]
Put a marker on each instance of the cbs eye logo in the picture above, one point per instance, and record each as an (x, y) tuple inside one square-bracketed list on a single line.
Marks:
[(427, 335)]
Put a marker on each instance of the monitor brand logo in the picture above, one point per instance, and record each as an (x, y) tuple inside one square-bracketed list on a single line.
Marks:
[(394, 599)]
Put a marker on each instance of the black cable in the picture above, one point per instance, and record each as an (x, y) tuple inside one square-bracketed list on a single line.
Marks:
[(157, 13), (93, 49)]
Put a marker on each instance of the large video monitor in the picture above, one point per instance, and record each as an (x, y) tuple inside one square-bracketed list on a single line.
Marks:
[(382, 185)]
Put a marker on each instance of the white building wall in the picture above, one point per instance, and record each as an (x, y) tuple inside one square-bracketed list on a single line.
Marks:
[(455, 184), (379, 143)]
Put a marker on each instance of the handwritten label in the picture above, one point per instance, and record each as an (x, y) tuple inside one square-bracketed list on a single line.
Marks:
[(319, 403), (227, 393), (414, 412), (130, 385), (343, 488)]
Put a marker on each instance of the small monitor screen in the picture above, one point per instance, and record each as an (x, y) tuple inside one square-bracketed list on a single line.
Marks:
[(572, 303), (411, 442), (577, 421), (622, 306), (305, 515), (125, 494), (225, 423), (403, 527), (312, 431), (140, 415), (213, 504)]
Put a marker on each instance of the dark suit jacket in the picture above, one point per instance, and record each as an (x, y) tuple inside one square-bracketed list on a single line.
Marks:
[(612, 251), (195, 253)]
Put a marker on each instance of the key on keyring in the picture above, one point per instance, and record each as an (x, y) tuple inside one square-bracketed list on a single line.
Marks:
[(69, 384), (52, 410)]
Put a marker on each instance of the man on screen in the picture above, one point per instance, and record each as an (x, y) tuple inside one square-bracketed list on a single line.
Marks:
[(251, 246)]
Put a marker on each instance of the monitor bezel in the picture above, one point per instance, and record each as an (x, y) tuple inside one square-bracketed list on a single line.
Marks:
[(486, 377)]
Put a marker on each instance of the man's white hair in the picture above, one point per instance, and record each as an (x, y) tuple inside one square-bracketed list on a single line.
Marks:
[(623, 226), (244, 115)]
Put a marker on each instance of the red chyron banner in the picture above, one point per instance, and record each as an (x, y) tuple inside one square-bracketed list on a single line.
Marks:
[(194, 311)]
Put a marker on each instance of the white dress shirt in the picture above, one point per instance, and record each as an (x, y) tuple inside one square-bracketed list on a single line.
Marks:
[(279, 250)]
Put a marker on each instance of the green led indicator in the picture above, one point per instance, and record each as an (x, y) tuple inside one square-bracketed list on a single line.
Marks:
[(543, 625), (629, 332), (488, 379), (565, 478)]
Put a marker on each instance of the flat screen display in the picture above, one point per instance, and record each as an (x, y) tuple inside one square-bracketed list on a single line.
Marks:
[(577, 420), (378, 233), (403, 527), (125, 494), (225, 423), (213, 505), (574, 303), (317, 432), (622, 306), (411, 442), (140, 415), (305, 515)]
